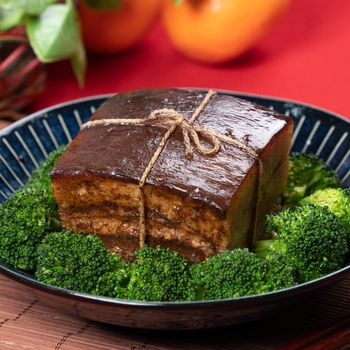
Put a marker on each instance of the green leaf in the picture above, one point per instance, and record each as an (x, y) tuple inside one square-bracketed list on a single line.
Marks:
[(10, 19), (79, 63), (103, 4), (177, 2), (54, 35), (30, 7)]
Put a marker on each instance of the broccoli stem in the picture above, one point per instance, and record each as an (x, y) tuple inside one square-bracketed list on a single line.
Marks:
[(263, 247)]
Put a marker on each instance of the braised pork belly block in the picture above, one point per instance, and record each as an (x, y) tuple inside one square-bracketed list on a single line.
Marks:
[(197, 206)]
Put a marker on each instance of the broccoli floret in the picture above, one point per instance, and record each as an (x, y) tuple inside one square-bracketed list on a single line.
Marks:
[(311, 238), (229, 274), (25, 219), (307, 174), (279, 274), (74, 261), (337, 200), (113, 284), (41, 176), (159, 275)]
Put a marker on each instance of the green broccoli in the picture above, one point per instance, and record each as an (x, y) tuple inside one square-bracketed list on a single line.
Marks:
[(25, 219), (229, 274), (311, 238), (74, 261), (159, 275), (113, 284), (337, 200), (279, 274), (41, 176), (307, 174)]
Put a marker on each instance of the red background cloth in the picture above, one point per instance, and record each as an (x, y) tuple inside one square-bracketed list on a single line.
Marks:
[(305, 58)]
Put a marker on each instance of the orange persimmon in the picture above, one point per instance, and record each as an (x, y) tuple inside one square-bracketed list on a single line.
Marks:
[(215, 31), (111, 31)]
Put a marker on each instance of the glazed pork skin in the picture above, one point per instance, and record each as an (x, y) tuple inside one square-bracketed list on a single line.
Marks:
[(197, 207)]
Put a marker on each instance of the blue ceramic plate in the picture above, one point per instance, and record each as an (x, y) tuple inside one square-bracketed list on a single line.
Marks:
[(26, 143)]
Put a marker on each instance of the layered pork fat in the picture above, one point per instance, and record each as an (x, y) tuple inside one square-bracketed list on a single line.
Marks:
[(198, 207)]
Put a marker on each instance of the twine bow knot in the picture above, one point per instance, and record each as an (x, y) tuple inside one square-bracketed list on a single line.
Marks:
[(190, 132)]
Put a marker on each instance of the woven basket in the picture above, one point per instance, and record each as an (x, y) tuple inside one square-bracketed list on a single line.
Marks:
[(22, 76)]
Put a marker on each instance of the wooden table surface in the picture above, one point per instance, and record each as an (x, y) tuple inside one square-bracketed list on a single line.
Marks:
[(322, 323)]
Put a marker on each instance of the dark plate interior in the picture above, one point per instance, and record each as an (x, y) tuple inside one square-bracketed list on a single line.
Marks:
[(24, 144)]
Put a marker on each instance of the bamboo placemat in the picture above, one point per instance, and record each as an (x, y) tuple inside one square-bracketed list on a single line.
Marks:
[(322, 323)]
